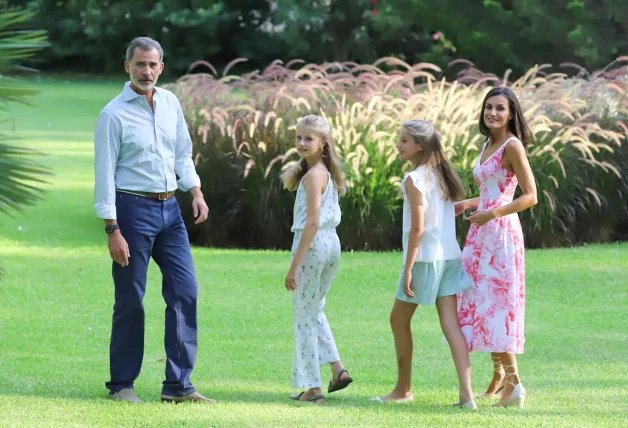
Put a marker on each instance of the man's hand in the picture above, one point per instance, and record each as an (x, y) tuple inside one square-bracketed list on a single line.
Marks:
[(200, 209), (119, 249)]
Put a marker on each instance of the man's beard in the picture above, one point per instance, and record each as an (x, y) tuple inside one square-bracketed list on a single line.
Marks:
[(144, 87)]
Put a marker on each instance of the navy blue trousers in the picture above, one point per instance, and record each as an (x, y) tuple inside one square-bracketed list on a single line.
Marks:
[(153, 228)]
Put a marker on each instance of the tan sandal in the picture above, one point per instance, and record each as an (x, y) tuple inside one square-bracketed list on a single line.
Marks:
[(495, 394)]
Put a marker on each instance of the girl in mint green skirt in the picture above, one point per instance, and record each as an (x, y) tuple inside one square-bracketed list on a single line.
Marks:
[(432, 273)]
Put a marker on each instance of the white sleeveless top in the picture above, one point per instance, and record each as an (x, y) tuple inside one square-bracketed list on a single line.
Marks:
[(439, 231), (330, 208)]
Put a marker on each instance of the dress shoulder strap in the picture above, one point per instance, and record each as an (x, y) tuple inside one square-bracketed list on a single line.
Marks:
[(508, 140)]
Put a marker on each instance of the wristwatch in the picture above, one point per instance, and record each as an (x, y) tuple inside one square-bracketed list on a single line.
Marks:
[(111, 228)]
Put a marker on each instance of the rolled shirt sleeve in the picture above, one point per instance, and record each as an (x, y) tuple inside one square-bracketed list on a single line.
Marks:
[(183, 164), (107, 136)]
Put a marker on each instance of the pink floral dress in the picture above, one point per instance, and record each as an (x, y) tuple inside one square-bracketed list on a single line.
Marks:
[(491, 313)]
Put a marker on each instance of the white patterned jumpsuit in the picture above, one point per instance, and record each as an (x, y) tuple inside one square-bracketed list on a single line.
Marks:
[(314, 343)]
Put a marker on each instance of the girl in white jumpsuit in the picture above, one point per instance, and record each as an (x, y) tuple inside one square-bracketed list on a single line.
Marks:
[(319, 181)]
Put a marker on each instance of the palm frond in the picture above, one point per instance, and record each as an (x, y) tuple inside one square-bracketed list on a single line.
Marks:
[(21, 177)]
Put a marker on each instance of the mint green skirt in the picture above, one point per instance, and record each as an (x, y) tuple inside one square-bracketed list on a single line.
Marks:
[(434, 279)]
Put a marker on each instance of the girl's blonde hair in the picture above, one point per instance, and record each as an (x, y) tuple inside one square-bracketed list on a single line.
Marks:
[(293, 175), (424, 133)]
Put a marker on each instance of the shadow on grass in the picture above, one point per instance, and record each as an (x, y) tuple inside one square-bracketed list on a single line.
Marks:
[(422, 404), (62, 219), (239, 398)]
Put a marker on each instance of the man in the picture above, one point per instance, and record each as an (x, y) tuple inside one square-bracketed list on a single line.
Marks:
[(141, 145)]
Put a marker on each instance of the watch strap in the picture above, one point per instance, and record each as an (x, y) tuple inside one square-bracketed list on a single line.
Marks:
[(111, 228)]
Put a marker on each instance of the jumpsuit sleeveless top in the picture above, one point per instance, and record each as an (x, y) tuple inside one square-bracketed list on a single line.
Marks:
[(330, 207)]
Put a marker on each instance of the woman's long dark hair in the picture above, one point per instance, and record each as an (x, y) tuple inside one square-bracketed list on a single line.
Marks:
[(517, 124)]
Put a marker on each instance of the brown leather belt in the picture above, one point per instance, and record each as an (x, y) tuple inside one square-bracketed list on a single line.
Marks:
[(163, 196)]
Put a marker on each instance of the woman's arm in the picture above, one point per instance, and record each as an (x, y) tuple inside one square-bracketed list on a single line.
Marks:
[(515, 156), (467, 204), (417, 222)]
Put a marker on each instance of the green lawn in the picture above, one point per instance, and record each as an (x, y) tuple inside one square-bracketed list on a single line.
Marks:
[(57, 295)]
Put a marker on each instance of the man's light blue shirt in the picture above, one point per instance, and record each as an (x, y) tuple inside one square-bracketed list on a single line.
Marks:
[(136, 149)]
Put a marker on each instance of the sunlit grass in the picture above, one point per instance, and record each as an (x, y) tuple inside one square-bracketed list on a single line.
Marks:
[(57, 295)]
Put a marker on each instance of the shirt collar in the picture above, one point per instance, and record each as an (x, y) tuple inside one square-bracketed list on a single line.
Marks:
[(130, 94)]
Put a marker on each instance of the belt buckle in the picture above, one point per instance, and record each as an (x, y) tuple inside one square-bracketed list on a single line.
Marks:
[(165, 196)]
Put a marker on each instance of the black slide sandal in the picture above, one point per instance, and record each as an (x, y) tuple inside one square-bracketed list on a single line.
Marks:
[(340, 384)]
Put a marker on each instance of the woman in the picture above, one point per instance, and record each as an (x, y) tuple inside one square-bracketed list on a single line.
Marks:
[(491, 313)]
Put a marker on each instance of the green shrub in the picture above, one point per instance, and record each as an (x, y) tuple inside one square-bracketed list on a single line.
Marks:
[(243, 133)]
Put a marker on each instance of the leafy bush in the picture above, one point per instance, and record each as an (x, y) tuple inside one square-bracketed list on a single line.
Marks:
[(243, 133), (91, 35)]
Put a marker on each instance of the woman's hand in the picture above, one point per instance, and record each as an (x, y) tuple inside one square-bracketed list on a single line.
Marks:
[(407, 284), (459, 207), (291, 280), (481, 217)]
